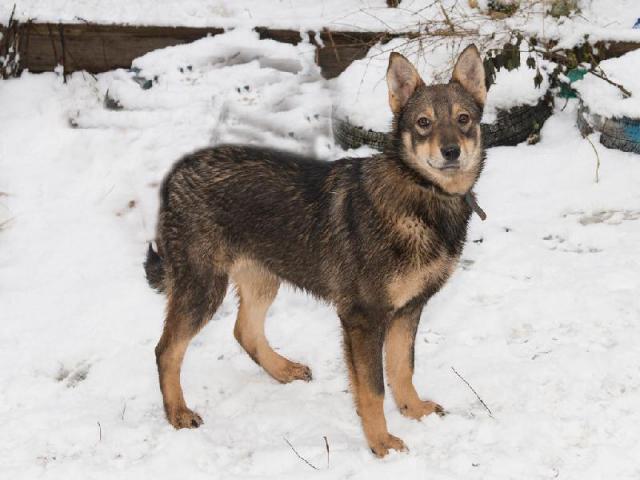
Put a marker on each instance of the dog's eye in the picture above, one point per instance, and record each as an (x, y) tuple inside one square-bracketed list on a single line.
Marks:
[(463, 119), (424, 122)]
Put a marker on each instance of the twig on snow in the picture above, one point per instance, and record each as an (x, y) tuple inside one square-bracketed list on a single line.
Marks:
[(326, 444), (603, 76), (298, 455), (595, 150), (474, 391), (99, 432)]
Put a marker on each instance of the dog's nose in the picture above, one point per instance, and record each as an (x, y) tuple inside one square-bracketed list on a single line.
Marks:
[(451, 153)]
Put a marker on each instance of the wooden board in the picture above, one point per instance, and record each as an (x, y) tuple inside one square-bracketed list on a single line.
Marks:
[(99, 48)]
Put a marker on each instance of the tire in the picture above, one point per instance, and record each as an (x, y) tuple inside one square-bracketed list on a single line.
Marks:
[(350, 136), (619, 133), (510, 128)]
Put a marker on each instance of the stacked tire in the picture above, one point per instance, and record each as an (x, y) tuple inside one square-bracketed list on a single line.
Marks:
[(511, 127), (619, 133)]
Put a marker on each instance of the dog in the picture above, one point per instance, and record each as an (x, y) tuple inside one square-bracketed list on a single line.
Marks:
[(376, 237)]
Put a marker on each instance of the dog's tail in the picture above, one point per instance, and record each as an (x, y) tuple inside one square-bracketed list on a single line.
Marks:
[(154, 269)]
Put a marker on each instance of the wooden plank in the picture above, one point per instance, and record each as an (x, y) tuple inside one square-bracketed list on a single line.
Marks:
[(340, 49), (335, 50), (98, 48)]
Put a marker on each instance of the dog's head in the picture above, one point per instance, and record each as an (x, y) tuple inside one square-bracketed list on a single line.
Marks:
[(437, 127)]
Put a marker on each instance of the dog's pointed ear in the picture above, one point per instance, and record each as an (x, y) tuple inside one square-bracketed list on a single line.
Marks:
[(469, 72), (402, 79)]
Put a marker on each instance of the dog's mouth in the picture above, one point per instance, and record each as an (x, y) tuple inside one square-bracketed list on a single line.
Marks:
[(447, 167)]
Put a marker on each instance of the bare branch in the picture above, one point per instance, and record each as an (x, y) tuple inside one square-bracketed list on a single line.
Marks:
[(326, 444), (298, 455), (603, 76), (597, 157), (474, 391)]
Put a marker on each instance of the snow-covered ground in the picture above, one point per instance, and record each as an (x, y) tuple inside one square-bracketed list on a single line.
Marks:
[(608, 19), (542, 317)]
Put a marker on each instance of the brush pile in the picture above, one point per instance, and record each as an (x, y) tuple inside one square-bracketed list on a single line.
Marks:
[(10, 48)]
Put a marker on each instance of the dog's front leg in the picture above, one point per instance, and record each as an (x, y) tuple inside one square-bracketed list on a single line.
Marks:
[(363, 342), (400, 350)]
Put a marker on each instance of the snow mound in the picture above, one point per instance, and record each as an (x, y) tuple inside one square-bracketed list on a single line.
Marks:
[(234, 87), (232, 48), (607, 100), (515, 88), (361, 94)]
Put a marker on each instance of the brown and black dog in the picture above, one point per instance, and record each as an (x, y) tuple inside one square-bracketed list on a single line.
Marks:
[(376, 237)]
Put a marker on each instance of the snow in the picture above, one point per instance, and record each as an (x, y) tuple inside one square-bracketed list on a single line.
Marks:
[(541, 317), (607, 20), (515, 88), (361, 90), (346, 15), (607, 100)]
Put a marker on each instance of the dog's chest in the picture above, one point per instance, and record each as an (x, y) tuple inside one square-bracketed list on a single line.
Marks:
[(428, 255), (419, 280)]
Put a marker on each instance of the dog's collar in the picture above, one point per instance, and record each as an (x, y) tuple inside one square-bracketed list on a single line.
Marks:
[(470, 198)]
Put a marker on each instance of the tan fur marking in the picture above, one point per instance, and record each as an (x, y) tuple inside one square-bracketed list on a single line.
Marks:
[(407, 285), (171, 349), (412, 230), (429, 112), (369, 405), (169, 366), (402, 81), (458, 182), (257, 288), (371, 412), (471, 146), (398, 345), (469, 72)]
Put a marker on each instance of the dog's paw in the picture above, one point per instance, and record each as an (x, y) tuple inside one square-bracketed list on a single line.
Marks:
[(184, 418), (293, 371), (381, 446), (422, 409)]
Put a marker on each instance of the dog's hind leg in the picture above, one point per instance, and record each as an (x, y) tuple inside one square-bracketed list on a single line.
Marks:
[(399, 348), (257, 288), (193, 298)]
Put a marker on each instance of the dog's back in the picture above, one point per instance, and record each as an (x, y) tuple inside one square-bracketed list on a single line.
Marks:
[(237, 202)]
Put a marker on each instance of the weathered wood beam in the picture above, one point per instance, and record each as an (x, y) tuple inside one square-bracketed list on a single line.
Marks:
[(99, 48)]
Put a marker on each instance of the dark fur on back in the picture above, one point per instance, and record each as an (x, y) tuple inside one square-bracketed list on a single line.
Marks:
[(322, 226), (376, 237)]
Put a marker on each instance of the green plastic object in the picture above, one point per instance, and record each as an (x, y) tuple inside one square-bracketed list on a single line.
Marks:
[(576, 74)]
